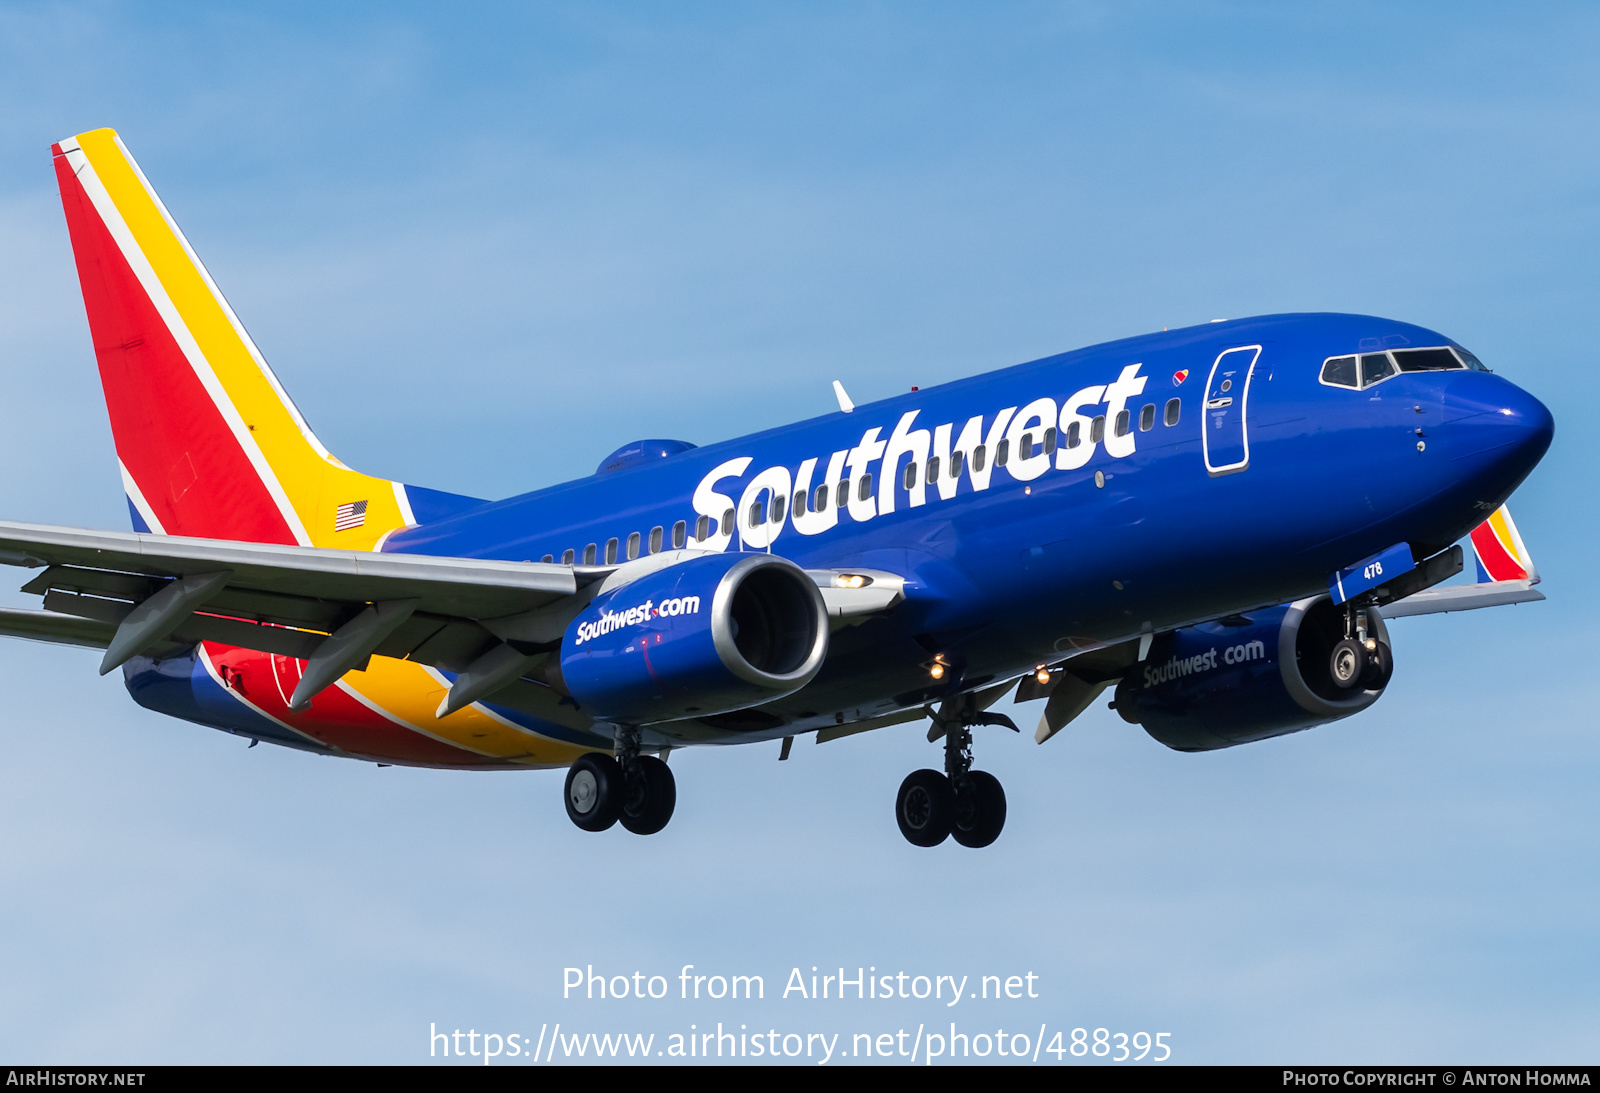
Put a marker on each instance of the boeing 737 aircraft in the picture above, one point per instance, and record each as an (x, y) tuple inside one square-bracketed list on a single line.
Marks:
[(1214, 523)]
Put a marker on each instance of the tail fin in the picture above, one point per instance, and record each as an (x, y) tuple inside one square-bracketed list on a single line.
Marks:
[(1501, 553), (209, 443)]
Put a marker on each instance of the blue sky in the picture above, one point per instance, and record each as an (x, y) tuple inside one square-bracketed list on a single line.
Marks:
[(484, 248)]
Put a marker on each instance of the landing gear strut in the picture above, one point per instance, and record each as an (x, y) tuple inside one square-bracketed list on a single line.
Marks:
[(637, 789), (1360, 659), (968, 804)]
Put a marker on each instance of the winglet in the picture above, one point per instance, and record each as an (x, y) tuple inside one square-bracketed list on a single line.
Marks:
[(1500, 550)]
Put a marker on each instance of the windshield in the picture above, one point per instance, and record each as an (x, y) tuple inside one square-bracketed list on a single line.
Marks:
[(1359, 372)]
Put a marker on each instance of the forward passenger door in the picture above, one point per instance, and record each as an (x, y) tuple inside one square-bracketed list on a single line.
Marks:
[(1223, 436)]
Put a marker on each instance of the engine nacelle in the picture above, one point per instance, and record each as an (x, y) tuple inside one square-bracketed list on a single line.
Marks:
[(709, 635), (1220, 684)]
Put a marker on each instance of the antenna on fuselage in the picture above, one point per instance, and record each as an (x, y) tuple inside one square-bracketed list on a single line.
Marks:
[(844, 400)]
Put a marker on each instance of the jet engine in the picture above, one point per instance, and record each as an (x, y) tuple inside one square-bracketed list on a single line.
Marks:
[(712, 634), (1244, 678)]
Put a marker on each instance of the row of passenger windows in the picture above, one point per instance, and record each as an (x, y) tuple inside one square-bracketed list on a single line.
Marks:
[(1366, 369), (760, 512), (704, 528), (591, 553)]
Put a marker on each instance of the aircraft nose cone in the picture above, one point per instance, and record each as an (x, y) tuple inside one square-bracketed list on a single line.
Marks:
[(1490, 421)]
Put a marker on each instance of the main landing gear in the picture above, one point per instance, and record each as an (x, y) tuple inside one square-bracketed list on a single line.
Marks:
[(968, 804), (637, 789)]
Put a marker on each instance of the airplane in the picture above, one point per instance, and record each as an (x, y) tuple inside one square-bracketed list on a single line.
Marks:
[(1213, 523)]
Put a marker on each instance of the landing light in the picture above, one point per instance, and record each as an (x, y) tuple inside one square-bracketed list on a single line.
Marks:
[(1042, 675), (851, 580), (937, 671)]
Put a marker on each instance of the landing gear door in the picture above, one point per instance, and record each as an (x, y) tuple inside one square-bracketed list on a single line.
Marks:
[(1223, 438)]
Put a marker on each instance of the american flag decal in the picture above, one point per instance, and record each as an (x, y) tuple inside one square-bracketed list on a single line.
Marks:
[(351, 515)]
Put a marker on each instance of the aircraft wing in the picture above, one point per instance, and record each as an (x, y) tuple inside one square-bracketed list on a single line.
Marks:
[(1468, 597), (143, 594), (1505, 575), (136, 594)]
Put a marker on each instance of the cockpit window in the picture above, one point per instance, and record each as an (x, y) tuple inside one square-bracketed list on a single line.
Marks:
[(1340, 372), (1375, 367), (1427, 360), (1370, 368)]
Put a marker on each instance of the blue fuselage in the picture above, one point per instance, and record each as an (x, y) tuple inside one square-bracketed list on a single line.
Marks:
[(1267, 480)]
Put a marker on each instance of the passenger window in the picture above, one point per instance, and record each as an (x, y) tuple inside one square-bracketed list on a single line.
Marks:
[(932, 474), (633, 545), (841, 493), (1050, 440), (702, 528), (777, 509), (1025, 446), (568, 558), (548, 558), (1375, 367), (611, 552), (758, 513), (680, 534), (1124, 422), (727, 523), (1074, 434), (1174, 406), (1427, 360), (956, 459), (864, 492), (588, 554), (819, 500), (978, 455), (1002, 453), (1340, 372), (656, 534), (909, 479), (1147, 418), (1097, 429), (799, 507)]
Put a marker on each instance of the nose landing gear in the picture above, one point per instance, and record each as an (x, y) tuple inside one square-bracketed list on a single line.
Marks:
[(965, 803), (1360, 659), (637, 789)]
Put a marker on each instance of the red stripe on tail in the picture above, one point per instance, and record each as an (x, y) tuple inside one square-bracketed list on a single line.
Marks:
[(169, 433)]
